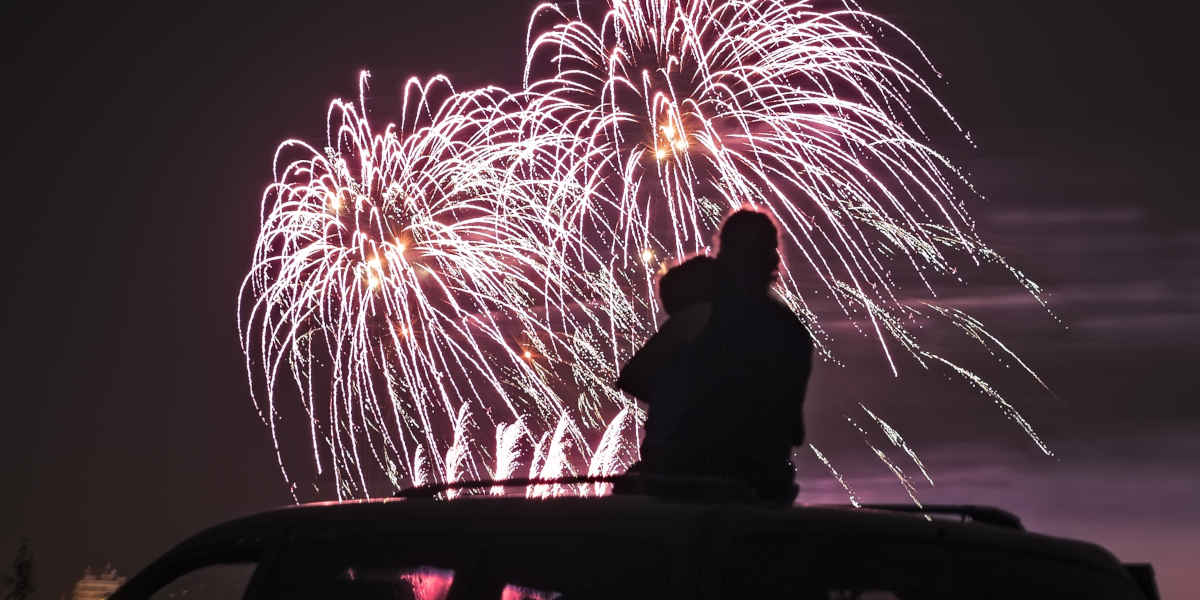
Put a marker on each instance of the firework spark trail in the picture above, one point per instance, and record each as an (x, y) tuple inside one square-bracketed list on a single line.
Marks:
[(551, 461), (456, 455), (508, 437), (990, 392), (923, 357), (606, 459), (976, 331), (490, 261), (838, 476), (905, 481), (894, 437)]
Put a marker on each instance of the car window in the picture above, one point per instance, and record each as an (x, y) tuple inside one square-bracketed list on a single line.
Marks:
[(354, 567), (556, 564), (212, 582), (366, 581), (580, 567)]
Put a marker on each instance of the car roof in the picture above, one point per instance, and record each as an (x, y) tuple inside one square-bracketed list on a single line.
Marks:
[(643, 516)]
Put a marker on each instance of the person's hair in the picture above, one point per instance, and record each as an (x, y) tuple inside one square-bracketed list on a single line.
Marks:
[(747, 246), (692, 281)]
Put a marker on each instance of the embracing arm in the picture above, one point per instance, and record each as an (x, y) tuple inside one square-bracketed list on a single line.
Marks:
[(637, 377), (638, 374)]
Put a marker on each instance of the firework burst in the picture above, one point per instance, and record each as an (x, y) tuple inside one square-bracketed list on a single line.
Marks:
[(688, 109), (693, 108), (490, 261), (407, 281)]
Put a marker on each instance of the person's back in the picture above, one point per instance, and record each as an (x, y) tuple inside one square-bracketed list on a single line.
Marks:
[(733, 402), (730, 405), (751, 365)]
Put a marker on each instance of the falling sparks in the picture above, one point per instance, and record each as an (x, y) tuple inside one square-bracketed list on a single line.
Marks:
[(897, 441), (838, 476), (903, 478)]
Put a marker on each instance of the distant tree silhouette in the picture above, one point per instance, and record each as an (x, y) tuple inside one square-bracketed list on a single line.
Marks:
[(19, 581)]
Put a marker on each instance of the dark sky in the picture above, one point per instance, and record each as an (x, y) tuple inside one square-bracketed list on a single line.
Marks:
[(141, 137)]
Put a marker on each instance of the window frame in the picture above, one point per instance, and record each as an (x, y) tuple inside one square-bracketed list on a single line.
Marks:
[(191, 556)]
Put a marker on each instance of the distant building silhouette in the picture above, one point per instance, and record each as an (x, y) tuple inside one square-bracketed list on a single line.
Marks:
[(97, 586)]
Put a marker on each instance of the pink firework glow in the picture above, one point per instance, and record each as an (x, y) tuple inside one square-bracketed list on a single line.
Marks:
[(487, 264)]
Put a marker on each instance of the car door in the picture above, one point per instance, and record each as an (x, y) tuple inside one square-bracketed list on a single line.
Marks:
[(994, 572), (802, 560)]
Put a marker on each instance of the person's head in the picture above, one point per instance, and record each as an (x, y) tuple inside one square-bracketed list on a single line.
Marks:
[(748, 247), (692, 281)]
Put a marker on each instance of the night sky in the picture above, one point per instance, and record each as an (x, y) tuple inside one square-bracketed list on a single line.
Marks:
[(140, 140)]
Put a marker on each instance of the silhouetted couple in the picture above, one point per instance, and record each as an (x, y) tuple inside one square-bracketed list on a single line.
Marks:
[(725, 375)]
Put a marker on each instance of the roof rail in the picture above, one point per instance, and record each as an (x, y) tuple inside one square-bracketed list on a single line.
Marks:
[(988, 515)]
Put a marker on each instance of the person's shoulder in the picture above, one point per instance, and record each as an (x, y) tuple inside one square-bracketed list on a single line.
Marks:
[(789, 321), (782, 312)]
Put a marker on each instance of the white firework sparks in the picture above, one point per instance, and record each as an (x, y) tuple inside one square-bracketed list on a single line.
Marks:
[(413, 271), (490, 261)]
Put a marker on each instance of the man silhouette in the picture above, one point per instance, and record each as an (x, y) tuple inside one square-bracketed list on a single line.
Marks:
[(726, 401)]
